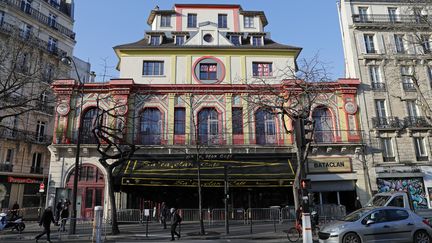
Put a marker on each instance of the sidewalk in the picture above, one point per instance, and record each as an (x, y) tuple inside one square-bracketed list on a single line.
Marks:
[(136, 232)]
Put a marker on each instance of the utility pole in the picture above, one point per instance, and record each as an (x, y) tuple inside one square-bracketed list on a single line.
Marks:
[(226, 199), (304, 134)]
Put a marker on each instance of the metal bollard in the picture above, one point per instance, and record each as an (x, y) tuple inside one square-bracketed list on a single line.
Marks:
[(97, 224)]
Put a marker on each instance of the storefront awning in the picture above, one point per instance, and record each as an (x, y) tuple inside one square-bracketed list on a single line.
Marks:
[(243, 170)]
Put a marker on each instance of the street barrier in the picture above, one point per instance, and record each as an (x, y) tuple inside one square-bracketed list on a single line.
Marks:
[(190, 214), (263, 214), (127, 215), (288, 213), (236, 215)]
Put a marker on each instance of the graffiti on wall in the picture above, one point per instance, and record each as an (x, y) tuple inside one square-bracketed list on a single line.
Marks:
[(412, 185)]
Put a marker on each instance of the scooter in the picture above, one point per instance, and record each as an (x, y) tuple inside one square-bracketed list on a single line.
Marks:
[(14, 224)]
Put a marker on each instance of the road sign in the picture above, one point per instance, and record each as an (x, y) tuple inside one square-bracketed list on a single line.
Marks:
[(41, 187)]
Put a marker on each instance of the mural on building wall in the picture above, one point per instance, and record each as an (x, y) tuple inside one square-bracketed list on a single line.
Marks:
[(412, 185)]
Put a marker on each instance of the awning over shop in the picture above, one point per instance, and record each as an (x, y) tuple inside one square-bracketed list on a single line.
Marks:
[(243, 170)]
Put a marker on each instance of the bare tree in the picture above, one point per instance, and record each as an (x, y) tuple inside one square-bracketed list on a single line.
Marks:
[(25, 71), (291, 98), (109, 129)]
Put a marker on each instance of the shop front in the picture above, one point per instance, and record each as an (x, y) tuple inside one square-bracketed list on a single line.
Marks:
[(23, 190), (258, 180), (333, 181)]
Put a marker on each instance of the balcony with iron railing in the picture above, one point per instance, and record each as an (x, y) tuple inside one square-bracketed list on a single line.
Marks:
[(22, 135), (386, 20), (6, 167), (30, 39), (389, 122), (408, 87), (337, 137), (378, 86), (36, 170), (44, 107), (35, 14), (416, 122)]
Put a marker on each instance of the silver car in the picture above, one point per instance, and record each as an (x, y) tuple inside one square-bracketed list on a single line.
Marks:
[(378, 224)]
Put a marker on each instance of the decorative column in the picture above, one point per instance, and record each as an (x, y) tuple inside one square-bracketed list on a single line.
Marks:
[(228, 122), (170, 118)]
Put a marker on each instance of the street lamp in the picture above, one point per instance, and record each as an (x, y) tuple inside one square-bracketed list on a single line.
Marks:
[(72, 227)]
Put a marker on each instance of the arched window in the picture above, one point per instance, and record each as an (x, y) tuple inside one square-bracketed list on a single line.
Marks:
[(151, 126), (265, 127), (208, 126), (88, 123), (324, 131)]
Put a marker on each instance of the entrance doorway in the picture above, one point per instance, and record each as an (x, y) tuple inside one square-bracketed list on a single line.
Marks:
[(91, 185)]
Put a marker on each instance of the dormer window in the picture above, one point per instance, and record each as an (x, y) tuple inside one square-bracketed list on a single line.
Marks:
[(257, 41), (179, 40), (165, 20), (236, 40), (191, 20), (248, 21), (155, 40), (222, 21)]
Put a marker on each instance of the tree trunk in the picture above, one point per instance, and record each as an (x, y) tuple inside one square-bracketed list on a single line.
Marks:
[(114, 224), (202, 231)]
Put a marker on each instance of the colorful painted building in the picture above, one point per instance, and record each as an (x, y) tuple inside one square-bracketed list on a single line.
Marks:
[(190, 86)]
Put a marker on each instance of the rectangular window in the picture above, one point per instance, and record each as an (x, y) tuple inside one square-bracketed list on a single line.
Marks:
[(260, 69), (380, 108), (420, 148), (179, 120), (235, 39), (89, 198), (165, 21), (26, 31), (26, 6), (222, 21), (192, 21), (406, 77), (412, 108), (52, 44), (208, 71), (9, 156), (237, 120), (387, 150), (369, 43), (257, 41), (98, 197), (2, 16), (425, 43), (248, 21), (153, 68), (40, 131), (374, 74), (363, 14), (36, 163), (52, 19), (179, 40), (392, 13), (155, 40), (399, 42)]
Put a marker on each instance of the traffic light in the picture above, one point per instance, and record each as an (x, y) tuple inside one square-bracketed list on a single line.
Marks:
[(305, 184)]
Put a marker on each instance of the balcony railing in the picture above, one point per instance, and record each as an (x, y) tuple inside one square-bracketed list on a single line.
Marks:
[(36, 170), (378, 86), (416, 122), (35, 14), (31, 39), (422, 158), (44, 107), (22, 135), (390, 19), (389, 159), (335, 137), (388, 122), (6, 167), (409, 87)]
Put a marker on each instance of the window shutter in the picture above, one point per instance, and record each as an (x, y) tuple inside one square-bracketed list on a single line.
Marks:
[(392, 42), (380, 43), (410, 42), (361, 43)]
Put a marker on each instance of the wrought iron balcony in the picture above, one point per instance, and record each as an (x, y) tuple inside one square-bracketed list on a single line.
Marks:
[(35, 14), (416, 122), (394, 20), (388, 122), (409, 87), (6, 167), (45, 107), (389, 159), (31, 39), (422, 158), (36, 170), (22, 135), (378, 86)]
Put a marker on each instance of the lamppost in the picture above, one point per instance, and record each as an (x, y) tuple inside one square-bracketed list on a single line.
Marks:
[(72, 227)]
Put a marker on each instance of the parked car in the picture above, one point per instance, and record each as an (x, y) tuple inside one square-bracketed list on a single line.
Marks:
[(378, 224)]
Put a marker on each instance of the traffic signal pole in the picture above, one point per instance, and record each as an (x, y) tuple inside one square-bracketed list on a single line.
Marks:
[(303, 135)]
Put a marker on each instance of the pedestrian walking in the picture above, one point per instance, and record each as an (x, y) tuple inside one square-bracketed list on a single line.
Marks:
[(357, 203), (299, 215), (164, 213), (14, 211), (59, 208), (64, 215), (47, 218), (175, 221)]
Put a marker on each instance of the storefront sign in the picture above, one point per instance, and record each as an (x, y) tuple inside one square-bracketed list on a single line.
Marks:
[(23, 180), (329, 165)]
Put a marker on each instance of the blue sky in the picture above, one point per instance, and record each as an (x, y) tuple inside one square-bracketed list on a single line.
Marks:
[(102, 24)]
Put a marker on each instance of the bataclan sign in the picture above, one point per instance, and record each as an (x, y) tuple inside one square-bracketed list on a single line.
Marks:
[(329, 165)]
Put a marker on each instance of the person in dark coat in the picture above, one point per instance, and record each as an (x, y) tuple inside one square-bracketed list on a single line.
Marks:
[(357, 204), (15, 209), (64, 215), (59, 208), (46, 219), (175, 221), (299, 213), (164, 213)]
